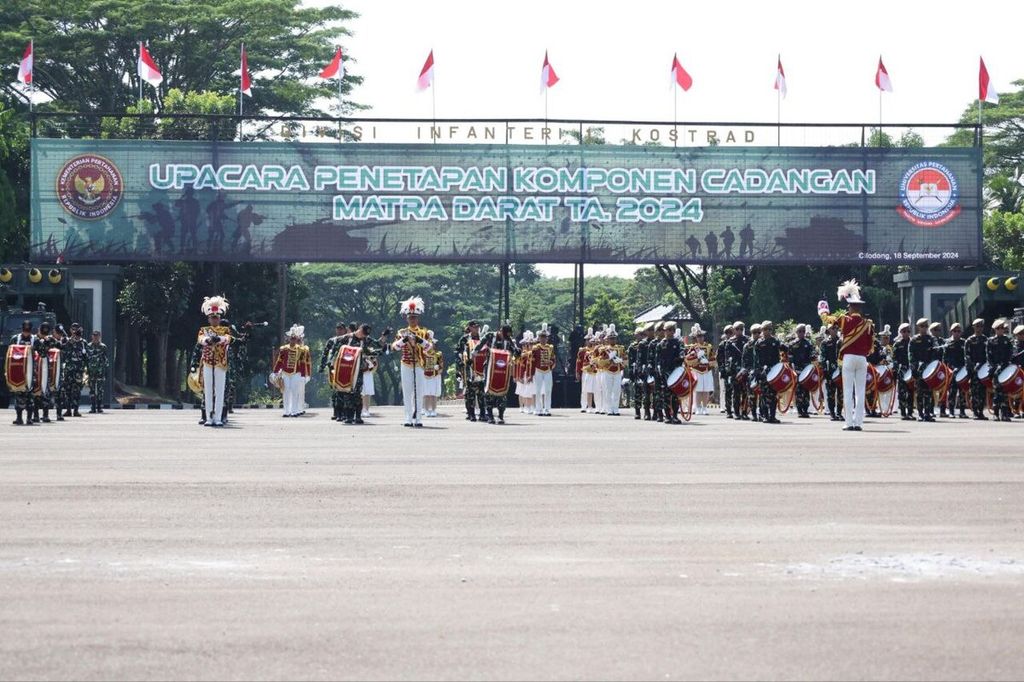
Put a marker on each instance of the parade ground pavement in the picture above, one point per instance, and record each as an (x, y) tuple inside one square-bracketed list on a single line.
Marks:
[(138, 545)]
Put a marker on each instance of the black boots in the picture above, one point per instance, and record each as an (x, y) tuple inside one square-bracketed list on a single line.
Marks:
[(18, 421)]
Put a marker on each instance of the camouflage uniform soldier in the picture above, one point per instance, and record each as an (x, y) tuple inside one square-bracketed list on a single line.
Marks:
[(920, 355), (802, 353), (767, 352), (23, 398), (472, 381), (954, 356), (749, 362), (724, 375), (327, 357), (976, 352), (733, 362), (1000, 353), (98, 363), (74, 371), (900, 364), (636, 382)]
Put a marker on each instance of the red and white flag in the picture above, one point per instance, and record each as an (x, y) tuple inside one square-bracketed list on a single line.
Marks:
[(986, 91), (548, 77), (336, 69), (882, 77), (780, 79), (25, 70), (246, 84), (426, 78), (679, 75), (147, 68)]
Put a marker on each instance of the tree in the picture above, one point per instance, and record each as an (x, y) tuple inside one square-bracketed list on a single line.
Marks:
[(606, 310), (86, 50), (14, 183), (1004, 240)]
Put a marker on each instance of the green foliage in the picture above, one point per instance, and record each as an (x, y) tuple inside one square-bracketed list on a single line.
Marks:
[(1004, 240), (14, 184), (607, 310), (176, 102), (86, 50)]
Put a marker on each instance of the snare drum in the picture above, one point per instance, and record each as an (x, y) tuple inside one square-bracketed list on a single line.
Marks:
[(871, 380), (837, 377), (908, 377), (1011, 380)]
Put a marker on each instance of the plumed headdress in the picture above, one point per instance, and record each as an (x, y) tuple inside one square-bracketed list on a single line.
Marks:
[(413, 306), (543, 330), (695, 330), (611, 331), (297, 330), (849, 291), (215, 305)]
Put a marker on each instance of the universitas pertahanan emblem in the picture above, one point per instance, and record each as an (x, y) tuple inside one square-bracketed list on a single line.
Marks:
[(929, 195), (89, 187)]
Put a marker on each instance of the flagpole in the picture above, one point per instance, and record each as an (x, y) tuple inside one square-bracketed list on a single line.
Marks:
[(32, 75), (880, 116), (675, 114), (140, 75), (241, 95), (778, 116)]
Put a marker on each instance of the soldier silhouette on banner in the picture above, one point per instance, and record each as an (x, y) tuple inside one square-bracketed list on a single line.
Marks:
[(188, 216), (747, 241), (727, 241)]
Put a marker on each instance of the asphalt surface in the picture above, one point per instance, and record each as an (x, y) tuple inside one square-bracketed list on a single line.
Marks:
[(138, 545)]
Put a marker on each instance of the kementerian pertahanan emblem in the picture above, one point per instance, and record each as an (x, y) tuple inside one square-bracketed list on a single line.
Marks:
[(89, 187)]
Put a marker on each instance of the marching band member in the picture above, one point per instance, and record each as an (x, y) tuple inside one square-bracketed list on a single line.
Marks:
[(723, 370), (636, 383), (734, 365), (213, 340), (327, 357), (921, 349), (1000, 351), (524, 374), (702, 360), (292, 367), (767, 352), (433, 373), (497, 392), (587, 371), (411, 341), (472, 381), (829, 353), (1018, 359), (858, 339), (953, 354), (18, 373), (670, 356), (900, 364), (976, 352), (646, 368), (615, 358), (749, 365), (543, 369), (351, 371), (801, 353)]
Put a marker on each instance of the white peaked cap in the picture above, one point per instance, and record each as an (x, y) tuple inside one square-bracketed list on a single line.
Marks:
[(413, 306), (214, 305)]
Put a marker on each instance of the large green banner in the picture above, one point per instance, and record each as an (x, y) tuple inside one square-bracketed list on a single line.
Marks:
[(124, 200)]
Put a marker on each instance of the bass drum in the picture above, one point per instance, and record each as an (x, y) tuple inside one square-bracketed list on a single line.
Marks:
[(810, 378), (985, 375), (779, 377), (1011, 380), (963, 379), (680, 382), (935, 374), (884, 381)]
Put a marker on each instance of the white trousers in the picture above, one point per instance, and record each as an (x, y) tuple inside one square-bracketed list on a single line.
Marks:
[(294, 393), (413, 405), (213, 392), (597, 387), (542, 382), (855, 376), (368, 383), (612, 391)]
